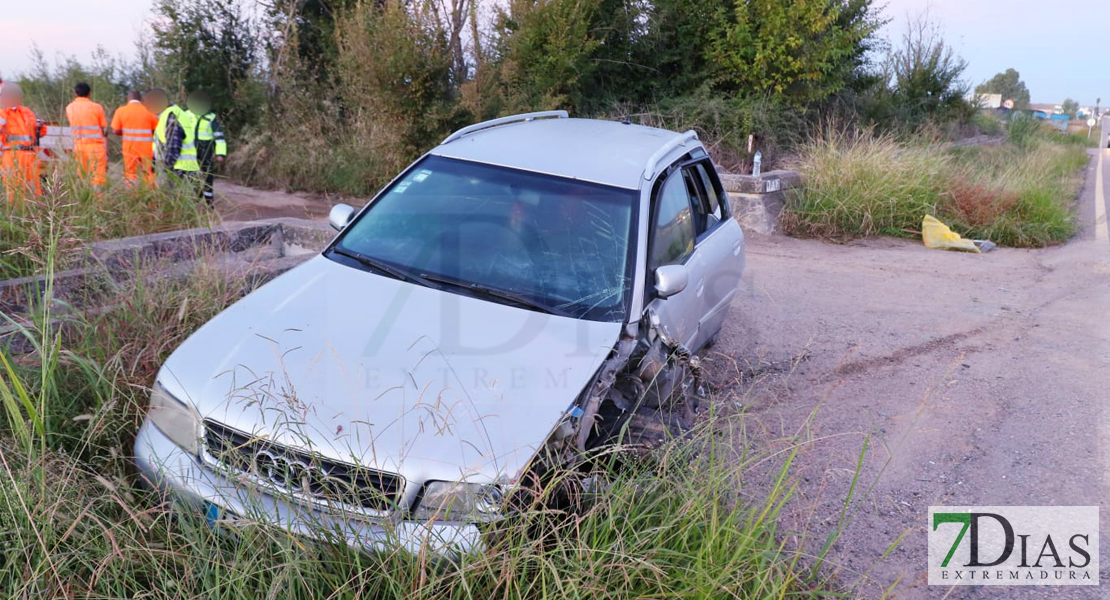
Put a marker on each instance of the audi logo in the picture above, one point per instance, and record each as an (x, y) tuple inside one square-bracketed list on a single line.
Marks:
[(288, 473)]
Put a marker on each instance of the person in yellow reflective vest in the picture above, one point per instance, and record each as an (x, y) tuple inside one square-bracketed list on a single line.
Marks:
[(210, 142), (175, 145)]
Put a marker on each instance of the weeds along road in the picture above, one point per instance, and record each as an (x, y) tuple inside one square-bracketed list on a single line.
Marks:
[(976, 380)]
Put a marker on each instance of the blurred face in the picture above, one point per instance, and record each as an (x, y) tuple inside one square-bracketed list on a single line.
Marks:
[(156, 103), (199, 107), (10, 96)]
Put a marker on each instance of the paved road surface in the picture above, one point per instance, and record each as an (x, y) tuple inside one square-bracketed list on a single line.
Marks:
[(977, 379)]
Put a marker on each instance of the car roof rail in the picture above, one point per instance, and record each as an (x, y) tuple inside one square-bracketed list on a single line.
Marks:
[(653, 161), (521, 118)]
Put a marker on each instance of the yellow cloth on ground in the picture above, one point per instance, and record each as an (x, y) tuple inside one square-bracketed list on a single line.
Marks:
[(937, 235)]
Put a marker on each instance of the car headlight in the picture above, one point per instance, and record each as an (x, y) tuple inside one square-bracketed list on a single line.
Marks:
[(177, 420), (459, 501)]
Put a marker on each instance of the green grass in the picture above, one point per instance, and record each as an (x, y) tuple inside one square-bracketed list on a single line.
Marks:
[(72, 213), (74, 523), (1020, 193)]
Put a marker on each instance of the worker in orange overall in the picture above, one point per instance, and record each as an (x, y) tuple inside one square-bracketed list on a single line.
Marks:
[(19, 161), (136, 124), (88, 126)]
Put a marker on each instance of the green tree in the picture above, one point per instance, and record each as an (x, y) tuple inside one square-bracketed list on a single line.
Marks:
[(651, 50), (1009, 85), (541, 52), (927, 77), (395, 72), (304, 35), (210, 45), (802, 51), (1070, 107)]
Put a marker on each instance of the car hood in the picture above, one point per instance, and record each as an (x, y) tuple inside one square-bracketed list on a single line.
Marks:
[(394, 376)]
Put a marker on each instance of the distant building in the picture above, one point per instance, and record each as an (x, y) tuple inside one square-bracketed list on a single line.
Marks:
[(986, 101)]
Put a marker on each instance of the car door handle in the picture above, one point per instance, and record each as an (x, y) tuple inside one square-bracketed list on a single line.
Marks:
[(736, 248), (701, 288)]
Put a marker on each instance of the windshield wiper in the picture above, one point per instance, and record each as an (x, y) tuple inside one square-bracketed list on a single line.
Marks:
[(386, 268), (491, 292)]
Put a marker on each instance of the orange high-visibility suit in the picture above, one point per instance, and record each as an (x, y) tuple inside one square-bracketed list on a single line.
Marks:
[(136, 125), (19, 163), (87, 122)]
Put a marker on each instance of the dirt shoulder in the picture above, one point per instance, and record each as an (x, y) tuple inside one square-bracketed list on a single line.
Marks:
[(240, 203), (974, 379)]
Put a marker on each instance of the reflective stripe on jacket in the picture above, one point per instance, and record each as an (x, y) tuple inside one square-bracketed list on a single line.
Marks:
[(86, 121), (187, 161), (210, 130), (17, 129), (179, 144), (135, 124)]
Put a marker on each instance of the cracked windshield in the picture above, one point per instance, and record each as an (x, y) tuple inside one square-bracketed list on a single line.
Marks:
[(560, 243)]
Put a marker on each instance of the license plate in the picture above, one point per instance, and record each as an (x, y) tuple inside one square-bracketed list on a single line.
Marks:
[(214, 515)]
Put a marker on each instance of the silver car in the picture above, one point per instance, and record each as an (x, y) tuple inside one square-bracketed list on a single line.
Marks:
[(534, 288)]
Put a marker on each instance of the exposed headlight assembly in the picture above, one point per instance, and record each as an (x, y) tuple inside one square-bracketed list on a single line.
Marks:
[(176, 419), (458, 501)]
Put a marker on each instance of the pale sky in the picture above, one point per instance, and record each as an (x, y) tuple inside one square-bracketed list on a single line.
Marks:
[(1060, 48), (67, 27)]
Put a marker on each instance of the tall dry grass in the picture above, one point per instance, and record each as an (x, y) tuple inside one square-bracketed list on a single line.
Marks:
[(81, 213), (859, 183)]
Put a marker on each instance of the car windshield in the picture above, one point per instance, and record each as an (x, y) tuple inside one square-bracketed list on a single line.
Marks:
[(549, 242)]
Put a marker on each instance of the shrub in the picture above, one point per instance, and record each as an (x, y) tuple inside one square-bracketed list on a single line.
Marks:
[(1023, 131), (863, 184), (800, 51)]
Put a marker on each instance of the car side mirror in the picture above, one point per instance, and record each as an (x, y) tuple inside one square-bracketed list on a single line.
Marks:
[(670, 280), (340, 216)]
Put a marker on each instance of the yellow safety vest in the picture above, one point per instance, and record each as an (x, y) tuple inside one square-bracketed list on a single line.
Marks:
[(187, 160)]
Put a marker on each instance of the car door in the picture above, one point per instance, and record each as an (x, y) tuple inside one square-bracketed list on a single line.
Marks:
[(719, 247), (673, 241)]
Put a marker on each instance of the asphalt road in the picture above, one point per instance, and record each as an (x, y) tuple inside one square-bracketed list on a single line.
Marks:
[(973, 379)]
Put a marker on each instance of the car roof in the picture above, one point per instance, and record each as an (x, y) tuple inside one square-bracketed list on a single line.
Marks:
[(606, 152)]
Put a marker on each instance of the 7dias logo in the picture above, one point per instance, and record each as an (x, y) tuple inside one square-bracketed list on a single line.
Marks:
[(1013, 545)]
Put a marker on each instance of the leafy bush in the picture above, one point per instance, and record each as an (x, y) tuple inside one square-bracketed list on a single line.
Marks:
[(987, 124), (802, 52)]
